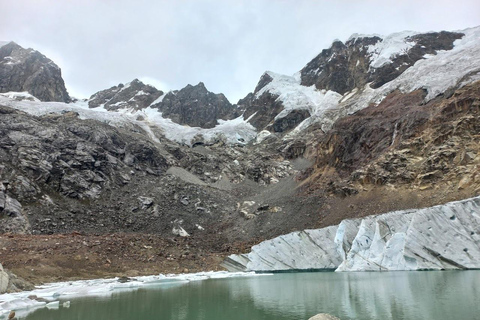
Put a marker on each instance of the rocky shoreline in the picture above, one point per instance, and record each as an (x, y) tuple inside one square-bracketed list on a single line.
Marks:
[(39, 259)]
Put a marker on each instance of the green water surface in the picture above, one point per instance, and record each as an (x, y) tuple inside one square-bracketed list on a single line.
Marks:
[(362, 295)]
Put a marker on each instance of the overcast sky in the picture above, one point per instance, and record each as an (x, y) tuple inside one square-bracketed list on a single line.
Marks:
[(227, 44)]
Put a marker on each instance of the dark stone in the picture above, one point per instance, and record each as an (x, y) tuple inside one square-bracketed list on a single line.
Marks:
[(29, 70), (135, 95), (290, 121), (196, 107)]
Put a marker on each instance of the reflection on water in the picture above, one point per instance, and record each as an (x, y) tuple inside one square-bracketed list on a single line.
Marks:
[(373, 295)]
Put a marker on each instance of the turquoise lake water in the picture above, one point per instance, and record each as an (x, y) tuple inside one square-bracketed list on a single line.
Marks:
[(435, 295)]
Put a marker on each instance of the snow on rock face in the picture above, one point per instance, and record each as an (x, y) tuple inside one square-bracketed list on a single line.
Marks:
[(297, 97), (134, 95), (448, 64), (391, 46), (436, 238)]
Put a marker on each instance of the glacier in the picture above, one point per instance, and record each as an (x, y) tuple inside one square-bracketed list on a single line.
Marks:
[(436, 238)]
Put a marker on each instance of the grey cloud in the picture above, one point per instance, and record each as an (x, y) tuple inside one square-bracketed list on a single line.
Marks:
[(226, 44)]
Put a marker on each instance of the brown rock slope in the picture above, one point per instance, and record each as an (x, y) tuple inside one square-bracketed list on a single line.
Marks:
[(400, 154)]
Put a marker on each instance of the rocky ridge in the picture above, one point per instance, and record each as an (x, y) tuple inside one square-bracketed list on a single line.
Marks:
[(29, 70), (349, 77), (134, 95), (196, 107)]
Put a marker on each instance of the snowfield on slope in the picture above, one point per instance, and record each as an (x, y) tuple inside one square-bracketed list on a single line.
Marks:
[(236, 131)]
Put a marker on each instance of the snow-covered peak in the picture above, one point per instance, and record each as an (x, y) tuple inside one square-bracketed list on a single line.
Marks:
[(360, 35)]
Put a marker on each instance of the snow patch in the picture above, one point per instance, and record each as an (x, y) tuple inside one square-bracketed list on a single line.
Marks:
[(158, 100), (294, 96), (389, 47), (18, 96), (232, 131)]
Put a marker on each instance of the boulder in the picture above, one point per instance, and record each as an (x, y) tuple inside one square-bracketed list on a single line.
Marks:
[(179, 231), (4, 279)]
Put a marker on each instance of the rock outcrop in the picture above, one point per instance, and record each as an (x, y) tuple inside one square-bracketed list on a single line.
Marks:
[(29, 70), (4, 279), (12, 217), (134, 95), (435, 238), (196, 106), (404, 141), (371, 59)]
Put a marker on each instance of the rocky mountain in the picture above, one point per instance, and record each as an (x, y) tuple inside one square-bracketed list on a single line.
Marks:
[(372, 125), (193, 105), (349, 76), (29, 70), (372, 60), (196, 107), (134, 95)]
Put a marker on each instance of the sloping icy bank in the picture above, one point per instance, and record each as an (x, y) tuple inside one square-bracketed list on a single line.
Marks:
[(436, 238), (47, 295)]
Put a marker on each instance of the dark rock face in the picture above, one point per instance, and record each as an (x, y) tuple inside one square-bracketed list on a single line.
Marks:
[(134, 95), (29, 70), (337, 69), (196, 107), (65, 174), (264, 80), (344, 67), (12, 218), (290, 121), (262, 110)]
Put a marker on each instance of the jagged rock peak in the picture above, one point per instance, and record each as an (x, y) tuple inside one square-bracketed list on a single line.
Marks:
[(28, 70), (196, 106), (364, 59), (133, 95), (265, 79)]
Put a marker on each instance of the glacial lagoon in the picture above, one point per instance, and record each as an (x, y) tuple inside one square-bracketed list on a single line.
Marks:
[(355, 295)]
